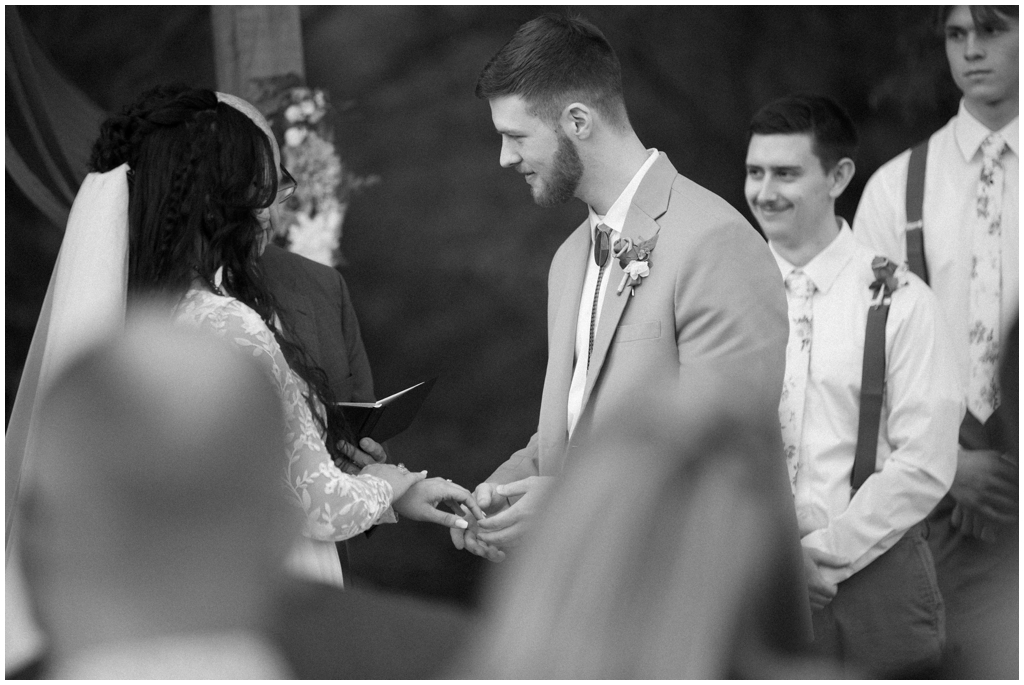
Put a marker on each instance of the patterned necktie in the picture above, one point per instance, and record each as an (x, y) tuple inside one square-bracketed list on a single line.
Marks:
[(986, 273), (799, 290), (602, 242)]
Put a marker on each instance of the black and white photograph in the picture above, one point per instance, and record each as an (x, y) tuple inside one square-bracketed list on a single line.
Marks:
[(512, 342)]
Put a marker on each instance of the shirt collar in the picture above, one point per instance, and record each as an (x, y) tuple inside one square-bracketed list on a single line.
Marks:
[(825, 267), (970, 133), (615, 219)]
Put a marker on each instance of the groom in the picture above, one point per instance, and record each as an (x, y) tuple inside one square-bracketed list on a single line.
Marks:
[(663, 278)]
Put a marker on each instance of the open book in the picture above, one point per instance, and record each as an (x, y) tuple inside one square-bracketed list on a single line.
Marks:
[(388, 417)]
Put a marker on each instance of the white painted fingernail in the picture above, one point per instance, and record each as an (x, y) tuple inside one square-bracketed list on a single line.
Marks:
[(461, 523)]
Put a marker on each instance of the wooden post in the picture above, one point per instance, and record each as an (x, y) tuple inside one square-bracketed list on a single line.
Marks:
[(254, 43), (258, 51)]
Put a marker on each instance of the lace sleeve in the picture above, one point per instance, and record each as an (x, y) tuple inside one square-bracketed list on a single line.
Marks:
[(336, 505)]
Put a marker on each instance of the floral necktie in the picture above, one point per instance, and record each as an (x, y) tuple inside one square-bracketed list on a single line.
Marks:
[(799, 290), (986, 273)]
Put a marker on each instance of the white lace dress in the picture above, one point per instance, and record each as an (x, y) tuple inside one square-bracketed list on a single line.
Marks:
[(336, 505)]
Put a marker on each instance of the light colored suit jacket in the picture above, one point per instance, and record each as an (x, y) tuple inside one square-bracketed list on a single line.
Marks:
[(713, 301)]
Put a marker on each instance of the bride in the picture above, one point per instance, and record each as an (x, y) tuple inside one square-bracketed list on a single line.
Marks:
[(194, 178)]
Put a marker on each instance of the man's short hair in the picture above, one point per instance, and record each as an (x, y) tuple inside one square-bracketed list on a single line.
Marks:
[(833, 135), (554, 60), (984, 16)]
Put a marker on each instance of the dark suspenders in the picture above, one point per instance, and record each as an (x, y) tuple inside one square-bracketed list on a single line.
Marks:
[(915, 206), (872, 380)]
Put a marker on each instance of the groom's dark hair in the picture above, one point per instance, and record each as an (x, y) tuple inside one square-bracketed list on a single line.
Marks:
[(833, 134), (554, 60)]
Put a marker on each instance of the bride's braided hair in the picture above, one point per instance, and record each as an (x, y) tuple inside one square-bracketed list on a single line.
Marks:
[(200, 169)]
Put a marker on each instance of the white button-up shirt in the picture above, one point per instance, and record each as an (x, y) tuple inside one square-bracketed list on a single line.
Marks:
[(950, 188), (614, 219), (923, 404)]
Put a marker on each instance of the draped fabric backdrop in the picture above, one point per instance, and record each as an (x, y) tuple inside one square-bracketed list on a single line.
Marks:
[(51, 126)]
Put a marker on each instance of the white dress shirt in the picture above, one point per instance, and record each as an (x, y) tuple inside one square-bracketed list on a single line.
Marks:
[(950, 188), (614, 219), (923, 404)]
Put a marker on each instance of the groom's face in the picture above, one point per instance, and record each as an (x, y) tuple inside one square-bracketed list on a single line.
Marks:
[(537, 149)]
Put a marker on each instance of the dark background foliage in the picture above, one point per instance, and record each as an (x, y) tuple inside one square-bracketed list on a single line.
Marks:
[(447, 256)]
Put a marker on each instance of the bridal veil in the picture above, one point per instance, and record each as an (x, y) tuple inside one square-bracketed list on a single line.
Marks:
[(85, 303)]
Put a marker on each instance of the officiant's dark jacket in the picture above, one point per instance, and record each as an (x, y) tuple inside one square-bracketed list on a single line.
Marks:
[(316, 302)]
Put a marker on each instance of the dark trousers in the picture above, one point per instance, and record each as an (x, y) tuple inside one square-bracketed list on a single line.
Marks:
[(979, 582), (888, 618)]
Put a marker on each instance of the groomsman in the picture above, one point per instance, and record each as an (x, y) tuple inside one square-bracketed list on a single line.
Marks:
[(958, 194), (859, 389), (662, 277)]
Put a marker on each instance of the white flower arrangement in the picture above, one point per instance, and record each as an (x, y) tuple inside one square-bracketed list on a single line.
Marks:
[(311, 219)]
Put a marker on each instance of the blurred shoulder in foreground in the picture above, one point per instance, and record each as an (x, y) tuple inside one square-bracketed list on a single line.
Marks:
[(154, 530), (669, 552)]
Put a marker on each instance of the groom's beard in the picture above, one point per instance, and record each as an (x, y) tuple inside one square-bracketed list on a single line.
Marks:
[(566, 172)]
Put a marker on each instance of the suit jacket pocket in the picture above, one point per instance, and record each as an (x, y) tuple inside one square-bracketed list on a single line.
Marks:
[(638, 331)]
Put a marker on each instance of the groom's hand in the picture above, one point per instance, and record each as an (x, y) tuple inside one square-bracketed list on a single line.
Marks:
[(506, 528), (468, 539), (489, 500)]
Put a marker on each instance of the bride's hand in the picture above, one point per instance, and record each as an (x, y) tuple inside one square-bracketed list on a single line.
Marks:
[(401, 479), (422, 500)]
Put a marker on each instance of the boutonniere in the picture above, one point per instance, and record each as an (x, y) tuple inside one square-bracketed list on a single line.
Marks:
[(635, 260), (888, 277)]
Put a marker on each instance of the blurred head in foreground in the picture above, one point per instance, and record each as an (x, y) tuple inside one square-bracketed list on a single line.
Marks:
[(154, 510), (669, 553)]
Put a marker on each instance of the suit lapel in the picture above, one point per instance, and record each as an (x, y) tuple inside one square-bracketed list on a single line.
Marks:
[(563, 329), (649, 203)]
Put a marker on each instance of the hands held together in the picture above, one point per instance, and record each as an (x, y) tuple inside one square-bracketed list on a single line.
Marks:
[(507, 521), (414, 495), (486, 522)]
